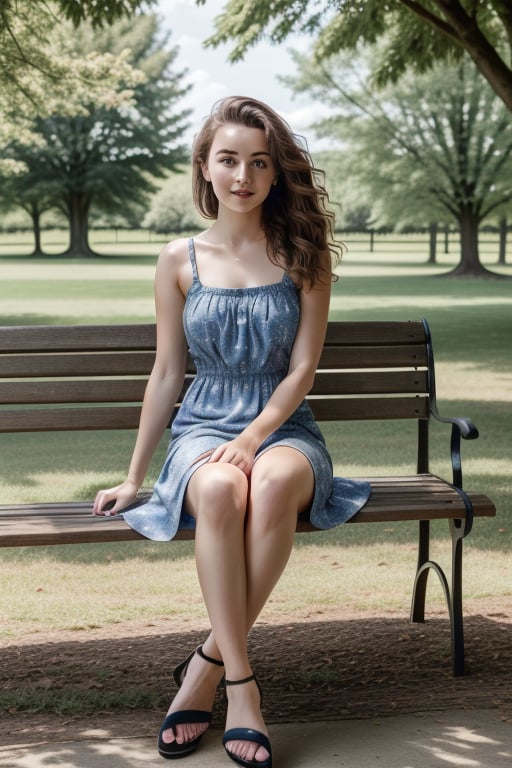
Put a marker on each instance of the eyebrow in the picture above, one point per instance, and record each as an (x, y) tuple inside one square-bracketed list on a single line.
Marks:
[(234, 152)]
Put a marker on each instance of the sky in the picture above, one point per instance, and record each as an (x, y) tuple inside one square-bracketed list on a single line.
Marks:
[(214, 77)]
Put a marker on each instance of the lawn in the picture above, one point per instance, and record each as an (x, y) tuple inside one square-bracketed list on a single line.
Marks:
[(471, 323)]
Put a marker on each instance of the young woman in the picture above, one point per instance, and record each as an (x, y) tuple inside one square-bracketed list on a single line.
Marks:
[(249, 298)]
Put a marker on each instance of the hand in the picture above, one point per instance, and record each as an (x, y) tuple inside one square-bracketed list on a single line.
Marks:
[(122, 495), (240, 452)]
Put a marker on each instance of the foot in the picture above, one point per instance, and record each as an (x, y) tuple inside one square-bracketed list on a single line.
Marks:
[(197, 692), (244, 712)]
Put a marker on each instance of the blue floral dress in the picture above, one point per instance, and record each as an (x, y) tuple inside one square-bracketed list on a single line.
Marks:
[(241, 341)]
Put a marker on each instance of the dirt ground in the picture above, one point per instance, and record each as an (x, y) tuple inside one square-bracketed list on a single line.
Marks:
[(342, 667)]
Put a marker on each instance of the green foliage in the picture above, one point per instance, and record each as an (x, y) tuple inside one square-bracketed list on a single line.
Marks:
[(108, 154), (416, 35), (102, 13), (432, 148), (172, 208), (42, 74)]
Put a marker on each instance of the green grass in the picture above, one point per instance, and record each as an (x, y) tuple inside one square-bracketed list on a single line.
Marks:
[(471, 322)]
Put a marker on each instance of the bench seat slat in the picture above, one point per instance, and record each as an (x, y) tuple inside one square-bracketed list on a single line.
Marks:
[(395, 499)]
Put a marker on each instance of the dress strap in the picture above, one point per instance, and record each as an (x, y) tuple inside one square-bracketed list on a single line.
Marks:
[(192, 256)]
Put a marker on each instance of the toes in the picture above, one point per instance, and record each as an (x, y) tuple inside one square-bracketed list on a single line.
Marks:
[(248, 750), (184, 733)]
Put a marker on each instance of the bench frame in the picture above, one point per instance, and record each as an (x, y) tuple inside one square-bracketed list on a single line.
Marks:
[(62, 378)]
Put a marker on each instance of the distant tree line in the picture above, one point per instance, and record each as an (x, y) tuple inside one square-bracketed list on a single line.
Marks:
[(100, 137)]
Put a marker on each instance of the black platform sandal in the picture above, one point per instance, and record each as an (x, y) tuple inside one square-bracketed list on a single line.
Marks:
[(173, 750), (247, 734)]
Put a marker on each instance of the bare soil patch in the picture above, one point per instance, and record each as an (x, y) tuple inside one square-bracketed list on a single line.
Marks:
[(338, 668)]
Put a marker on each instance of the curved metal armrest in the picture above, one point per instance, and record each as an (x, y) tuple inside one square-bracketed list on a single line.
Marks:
[(461, 427)]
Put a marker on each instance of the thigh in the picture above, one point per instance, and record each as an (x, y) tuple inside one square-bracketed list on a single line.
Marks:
[(283, 472)]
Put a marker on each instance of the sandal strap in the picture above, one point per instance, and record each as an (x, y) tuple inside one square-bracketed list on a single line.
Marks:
[(241, 682), (203, 655)]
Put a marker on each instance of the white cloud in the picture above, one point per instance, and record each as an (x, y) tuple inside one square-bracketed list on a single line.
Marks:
[(213, 76)]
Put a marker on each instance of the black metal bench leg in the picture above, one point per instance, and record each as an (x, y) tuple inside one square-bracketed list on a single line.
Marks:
[(456, 612), (453, 596)]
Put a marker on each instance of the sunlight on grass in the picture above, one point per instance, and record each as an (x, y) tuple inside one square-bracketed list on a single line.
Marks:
[(141, 310), (351, 569), (320, 581), (13, 270)]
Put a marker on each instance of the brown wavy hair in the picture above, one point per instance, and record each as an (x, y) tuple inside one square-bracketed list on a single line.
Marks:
[(297, 222)]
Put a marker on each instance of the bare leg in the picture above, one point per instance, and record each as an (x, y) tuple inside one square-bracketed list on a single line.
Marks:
[(237, 573), (282, 486), (217, 497)]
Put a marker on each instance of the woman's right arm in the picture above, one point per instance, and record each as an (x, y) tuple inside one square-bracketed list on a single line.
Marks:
[(164, 384)]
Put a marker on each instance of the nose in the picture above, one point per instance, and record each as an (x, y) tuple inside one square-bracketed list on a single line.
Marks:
[(242, 175)]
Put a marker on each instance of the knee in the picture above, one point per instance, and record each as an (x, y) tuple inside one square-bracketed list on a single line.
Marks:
[(270, 487), (220, 494), (280, 489)]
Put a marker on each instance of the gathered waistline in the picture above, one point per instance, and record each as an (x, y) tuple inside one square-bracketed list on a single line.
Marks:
[(227, 373)]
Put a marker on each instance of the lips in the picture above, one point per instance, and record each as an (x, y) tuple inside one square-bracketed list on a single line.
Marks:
[(242, 193)]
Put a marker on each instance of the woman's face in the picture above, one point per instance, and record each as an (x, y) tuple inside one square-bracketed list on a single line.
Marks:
[(239, 167)]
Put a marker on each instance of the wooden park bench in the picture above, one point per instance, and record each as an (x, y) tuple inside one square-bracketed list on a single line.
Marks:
[(93, 378)]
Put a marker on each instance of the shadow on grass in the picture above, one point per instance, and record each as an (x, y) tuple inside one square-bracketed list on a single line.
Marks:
[(312, 670)]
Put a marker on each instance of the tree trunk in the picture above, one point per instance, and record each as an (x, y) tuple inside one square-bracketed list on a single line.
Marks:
[(469, 265), (35, 215), (502, 253), (433, 242), (78, 210)]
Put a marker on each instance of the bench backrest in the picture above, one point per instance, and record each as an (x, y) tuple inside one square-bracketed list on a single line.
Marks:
[(55, 378)]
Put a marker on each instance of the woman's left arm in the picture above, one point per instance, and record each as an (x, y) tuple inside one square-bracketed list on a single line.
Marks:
[(288, 395)]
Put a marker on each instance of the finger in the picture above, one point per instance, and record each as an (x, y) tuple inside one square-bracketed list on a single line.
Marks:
[(103, 504), (205, 455), (219, 454)]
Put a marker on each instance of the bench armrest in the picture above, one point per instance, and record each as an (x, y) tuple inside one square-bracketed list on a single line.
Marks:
[(463, 427)]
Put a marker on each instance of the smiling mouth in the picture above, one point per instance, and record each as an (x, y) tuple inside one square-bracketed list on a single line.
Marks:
[(242, 193)]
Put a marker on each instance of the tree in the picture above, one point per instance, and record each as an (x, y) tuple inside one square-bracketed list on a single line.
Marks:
[(416, 33), (428, 149), (107, 156), (42, 74), (172, 208), (38, 77)]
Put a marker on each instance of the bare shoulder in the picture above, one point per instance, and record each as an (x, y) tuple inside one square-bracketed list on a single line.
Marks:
[(175, 253), (174, 265)]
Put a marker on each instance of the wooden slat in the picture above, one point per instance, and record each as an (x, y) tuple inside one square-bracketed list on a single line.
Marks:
[(69, 419), (127, 417), (62, 338), (71, 364), (374, 333), (369, 382), (371, 408), (353, 357), (393, 499), (90, 391), (142, 336)]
